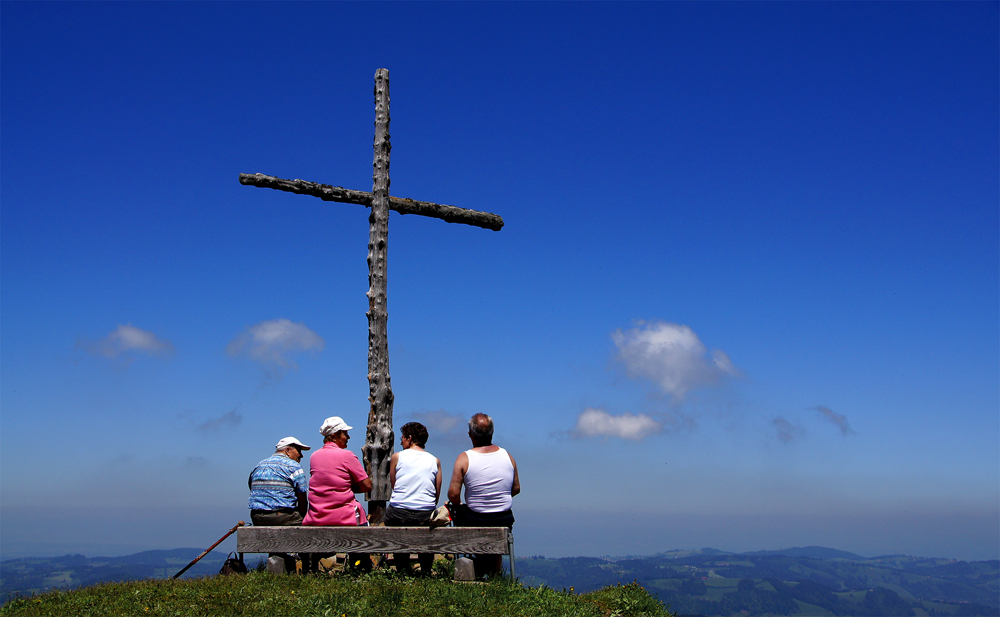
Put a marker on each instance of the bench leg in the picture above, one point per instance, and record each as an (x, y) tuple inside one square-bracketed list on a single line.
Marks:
[(510, 554)]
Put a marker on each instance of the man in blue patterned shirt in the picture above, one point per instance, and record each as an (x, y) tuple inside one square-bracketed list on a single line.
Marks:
[(278, 486)]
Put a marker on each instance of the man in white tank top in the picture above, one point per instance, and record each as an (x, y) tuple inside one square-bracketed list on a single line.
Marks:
[(489, 475)]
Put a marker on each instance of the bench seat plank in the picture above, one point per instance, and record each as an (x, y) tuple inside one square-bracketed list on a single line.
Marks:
[(314, 539)]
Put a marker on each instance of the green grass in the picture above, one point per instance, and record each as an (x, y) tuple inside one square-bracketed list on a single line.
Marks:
[(722, 583), (666, 584), (265, 594), (811, 609)]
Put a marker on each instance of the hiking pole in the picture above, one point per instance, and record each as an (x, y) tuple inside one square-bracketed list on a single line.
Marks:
[(209, 549)]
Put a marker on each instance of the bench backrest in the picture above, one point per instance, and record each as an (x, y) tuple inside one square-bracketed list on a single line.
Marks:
[(463, 540)]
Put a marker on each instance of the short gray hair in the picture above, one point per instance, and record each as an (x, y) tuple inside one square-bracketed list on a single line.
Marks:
[(481, 427)]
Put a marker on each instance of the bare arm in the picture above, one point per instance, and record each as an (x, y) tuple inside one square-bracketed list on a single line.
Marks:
[(364, 486), (515, 488), (458, 478), (392, 470), (359, 486), (437, 483)]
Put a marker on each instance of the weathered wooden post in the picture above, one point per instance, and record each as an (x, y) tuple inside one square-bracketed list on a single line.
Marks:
[(379, 436)]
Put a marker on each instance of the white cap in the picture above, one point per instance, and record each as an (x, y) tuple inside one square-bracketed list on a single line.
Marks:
[(333, 424), (291, 441)]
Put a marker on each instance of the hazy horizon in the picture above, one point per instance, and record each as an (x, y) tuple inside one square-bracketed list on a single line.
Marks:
[(93, 550)]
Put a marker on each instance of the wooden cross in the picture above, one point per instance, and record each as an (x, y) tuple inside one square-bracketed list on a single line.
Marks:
[(379, 436)]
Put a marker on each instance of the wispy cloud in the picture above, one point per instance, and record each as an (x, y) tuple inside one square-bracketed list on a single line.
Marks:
[(672, 357), (787, 432), (594, 422), (195, 463), (126, 342), (838, 419), (230, 419), (271, 342), (447, 431), (440, 420)]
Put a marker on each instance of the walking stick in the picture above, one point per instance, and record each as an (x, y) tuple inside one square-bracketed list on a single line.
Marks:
[(209, 549)]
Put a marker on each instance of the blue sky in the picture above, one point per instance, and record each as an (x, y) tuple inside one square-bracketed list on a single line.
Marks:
[(746, 295)]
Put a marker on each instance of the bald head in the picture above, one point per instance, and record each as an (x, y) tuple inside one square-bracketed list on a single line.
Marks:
[(481, 430)]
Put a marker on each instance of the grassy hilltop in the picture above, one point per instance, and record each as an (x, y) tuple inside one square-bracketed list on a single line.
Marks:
[(264, 594)]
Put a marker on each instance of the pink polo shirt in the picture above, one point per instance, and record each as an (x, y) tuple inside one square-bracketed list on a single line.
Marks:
[(332, 471)]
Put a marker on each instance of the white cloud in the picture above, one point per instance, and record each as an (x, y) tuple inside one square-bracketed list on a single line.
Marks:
[(270, 342), (672, 357), (597, 422), (129, 340)]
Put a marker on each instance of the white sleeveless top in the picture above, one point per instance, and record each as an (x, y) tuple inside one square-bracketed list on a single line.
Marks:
[(488, 481), (416, 473)]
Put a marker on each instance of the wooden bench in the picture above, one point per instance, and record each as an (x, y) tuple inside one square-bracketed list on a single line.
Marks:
[(330, 540)]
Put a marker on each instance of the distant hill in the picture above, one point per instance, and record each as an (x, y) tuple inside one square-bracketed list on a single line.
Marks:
[(816, 552), (797, 581), (29, 575)]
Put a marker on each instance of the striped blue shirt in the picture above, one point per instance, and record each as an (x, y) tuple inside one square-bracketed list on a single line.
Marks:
[(274, 482)]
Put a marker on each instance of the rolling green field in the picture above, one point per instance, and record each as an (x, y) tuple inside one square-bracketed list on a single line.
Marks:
[(813, 581)]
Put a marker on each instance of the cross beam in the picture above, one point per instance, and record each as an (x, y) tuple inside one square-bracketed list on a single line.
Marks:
[(403, 205), (377, 450)]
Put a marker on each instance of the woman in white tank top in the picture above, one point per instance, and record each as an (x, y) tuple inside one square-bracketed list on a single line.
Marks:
[(415, 476)]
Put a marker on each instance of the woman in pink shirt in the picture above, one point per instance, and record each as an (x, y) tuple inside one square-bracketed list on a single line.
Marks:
[(335, 475)]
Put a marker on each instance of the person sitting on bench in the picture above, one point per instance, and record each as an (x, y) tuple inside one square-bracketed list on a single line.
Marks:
[(415, 476), (489, 475), (278, 488), (335, 475)]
